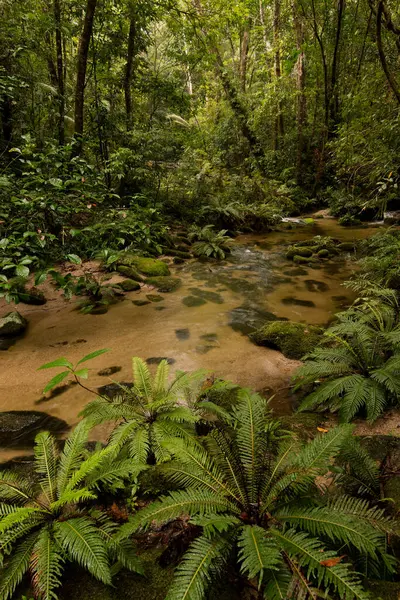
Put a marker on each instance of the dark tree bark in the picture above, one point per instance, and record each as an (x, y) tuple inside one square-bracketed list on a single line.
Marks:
[(301, 95), (244, 52), (334, 94), (128, 70), (279, 124), (60, 72), (389, 75), (83, 51)]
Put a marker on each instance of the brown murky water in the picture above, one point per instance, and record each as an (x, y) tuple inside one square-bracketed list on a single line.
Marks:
[(236, 296)]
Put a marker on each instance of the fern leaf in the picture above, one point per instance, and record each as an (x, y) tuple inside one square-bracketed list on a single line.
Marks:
[(161, 379), (311, 555), (82, 543), (277, 582), (175, 505), (314, 457), (11, 576), (46, 460), (72, 454), (142, 378), (14, 488), (46, 566), (257, 552), (200, 566)]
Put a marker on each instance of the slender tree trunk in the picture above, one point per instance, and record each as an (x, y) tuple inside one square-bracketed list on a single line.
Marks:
[(60, 71), (128, 70), (279, 125), (389, 75), (301, 94), (244, 52), (334, 93), (83, 51)]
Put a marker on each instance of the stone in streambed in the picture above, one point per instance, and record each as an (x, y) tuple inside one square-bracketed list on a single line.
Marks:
[(19, 427), (32, 296), (192, 301), (141, 302), (182, 334), (290, 300), (130, 272), (316, 286), (12, 324), (293, 339), (154, 297), (128, 285), (164, 284)]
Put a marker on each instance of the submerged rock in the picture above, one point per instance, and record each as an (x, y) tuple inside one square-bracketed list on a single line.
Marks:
[(182, 334), (19, 427), (128, 285), (299, 251), (207, 295), (246, 319), (155, 360), (154, 297), (290, 300), (109, 371), (141, 302), (192, 301), (313, 285), (293, 339), (164, 284), (12, 324)]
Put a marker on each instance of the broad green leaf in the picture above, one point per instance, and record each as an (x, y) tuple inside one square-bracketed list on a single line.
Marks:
[(22, 271), (59, 362), (74, 258), (84, 373), (56, 380), (93, 355)]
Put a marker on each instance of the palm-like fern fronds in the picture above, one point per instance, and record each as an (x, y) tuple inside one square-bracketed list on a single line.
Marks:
[(257, 499), (357, 368), (42, 529), (153, 411)]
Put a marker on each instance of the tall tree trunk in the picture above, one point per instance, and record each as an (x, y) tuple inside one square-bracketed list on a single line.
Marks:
[(60, 71), (334, 93), (128, 70), (389, 75), (279, 125), (301, 94), (83, 51), (244, 52)]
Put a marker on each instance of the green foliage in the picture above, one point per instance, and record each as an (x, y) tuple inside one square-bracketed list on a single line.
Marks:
[(71, 370), (257, 498), (48, 524), (153, 411), (356, 370), (209, 243)]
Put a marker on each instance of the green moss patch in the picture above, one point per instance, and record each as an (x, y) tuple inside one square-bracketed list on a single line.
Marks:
[(130, 272), (128, 285), (293, 339), (164, 284), (152, 267)]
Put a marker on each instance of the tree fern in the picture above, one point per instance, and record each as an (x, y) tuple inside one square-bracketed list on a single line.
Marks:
[(41, 529)]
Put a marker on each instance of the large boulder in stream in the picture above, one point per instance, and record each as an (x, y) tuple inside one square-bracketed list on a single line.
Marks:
[(293, 339), (18, 428), (12, 324)]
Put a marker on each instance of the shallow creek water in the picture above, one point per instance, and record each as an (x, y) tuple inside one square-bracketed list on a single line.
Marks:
[(231, 298)]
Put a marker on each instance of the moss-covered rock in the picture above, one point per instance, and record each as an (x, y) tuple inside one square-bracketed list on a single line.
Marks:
[(301, 260), (178, 260), (130, 272), (293, 339), (154, 297), (141, 302), (324, 253), (12, 324), (164, 284), (309, 221), (128, 285), (32, 296), (299, 251), (346, 246), (178, 253), (193, 301), (152, 267)]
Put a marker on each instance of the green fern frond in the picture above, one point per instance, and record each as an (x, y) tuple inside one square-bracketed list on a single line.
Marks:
[(46, 566), (72, 454), (16, 567), (46, 461), (200, 566), (257, 552), (82, 543), (175, 505), (142, 378), (277, 582), (14, 488), (161, 378)]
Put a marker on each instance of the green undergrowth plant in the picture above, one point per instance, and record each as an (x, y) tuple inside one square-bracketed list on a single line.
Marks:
[(54, 520), (209, 243), (262, 501), (153, 411)]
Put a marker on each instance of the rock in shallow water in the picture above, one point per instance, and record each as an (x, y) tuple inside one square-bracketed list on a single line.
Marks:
[(19, 428), (12, 324), (293, 339)]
